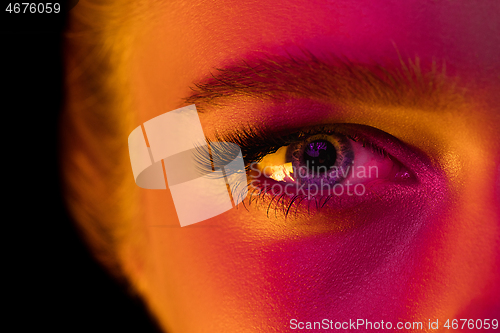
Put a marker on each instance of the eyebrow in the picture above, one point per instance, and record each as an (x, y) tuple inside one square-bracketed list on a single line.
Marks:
[(402, 83)]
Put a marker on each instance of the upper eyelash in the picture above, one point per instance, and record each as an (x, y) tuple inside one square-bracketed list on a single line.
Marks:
[(216, 155), (371, 145), (255, 143)]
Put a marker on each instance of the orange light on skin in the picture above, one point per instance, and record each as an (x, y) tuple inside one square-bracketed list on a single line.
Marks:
[(427, 254)]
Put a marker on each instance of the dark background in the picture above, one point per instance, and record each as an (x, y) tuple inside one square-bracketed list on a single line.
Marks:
[(51, 282)]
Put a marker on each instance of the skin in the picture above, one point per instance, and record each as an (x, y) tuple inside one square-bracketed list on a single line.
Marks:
[(429, 252)]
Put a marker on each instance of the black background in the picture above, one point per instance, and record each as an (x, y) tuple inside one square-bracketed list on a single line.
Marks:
[(50, 281)]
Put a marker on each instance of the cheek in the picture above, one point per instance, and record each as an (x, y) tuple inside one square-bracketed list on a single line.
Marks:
[(460, 263), (413, 259), (429, 254), (261, 271)]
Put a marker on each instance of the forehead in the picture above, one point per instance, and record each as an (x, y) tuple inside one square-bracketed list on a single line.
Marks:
[(455, 29), (186, 40)]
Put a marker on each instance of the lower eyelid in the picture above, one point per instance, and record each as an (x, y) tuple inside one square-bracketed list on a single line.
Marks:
[(301, 208)]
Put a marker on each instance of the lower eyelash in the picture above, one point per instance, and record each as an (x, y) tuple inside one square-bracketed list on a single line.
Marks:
[(285, 203), (285, 208)]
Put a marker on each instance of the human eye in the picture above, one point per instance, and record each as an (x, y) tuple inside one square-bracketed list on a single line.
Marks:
[(325, 158), (316, 166)]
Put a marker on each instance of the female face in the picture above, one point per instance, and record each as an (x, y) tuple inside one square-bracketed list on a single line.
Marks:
[(421, 243)]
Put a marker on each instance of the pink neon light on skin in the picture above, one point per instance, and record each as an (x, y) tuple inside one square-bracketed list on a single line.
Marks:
[(422, 252)]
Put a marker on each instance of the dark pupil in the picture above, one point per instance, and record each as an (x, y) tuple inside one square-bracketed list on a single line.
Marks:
[(320, 156)]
